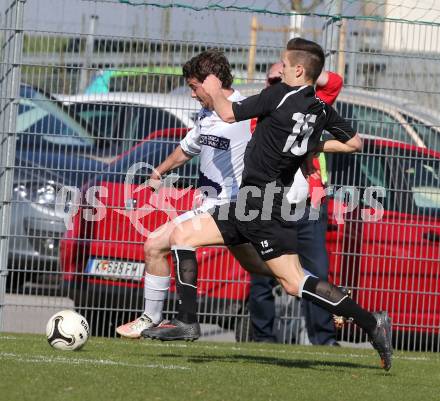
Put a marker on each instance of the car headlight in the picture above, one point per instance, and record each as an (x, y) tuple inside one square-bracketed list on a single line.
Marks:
[(42, 193), (46, 194)]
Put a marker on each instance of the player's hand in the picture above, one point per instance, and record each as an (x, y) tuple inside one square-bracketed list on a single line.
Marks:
[(211, 84), (155, 180)]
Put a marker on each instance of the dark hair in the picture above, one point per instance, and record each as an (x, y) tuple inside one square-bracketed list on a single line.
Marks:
[(211, 61), (307, 53)]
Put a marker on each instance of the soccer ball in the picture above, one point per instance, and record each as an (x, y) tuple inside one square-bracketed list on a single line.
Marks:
[(67, 330)]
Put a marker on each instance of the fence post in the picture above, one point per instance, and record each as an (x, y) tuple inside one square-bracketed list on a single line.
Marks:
[(12, 49), (88, 55)]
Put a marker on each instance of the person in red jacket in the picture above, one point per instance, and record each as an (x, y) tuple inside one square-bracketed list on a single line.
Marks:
[(311, 240)]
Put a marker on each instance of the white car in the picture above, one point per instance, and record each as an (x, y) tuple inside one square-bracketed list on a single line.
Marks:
[(124, 119)]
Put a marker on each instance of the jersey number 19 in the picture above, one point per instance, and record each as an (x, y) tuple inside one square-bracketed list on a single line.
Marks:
[(301, 132)]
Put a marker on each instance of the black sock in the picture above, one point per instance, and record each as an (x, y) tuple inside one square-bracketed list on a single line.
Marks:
[(335, 301), (185, 263)]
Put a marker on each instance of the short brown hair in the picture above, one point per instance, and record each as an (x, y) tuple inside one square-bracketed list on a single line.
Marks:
[(211, 61), (307, 53)]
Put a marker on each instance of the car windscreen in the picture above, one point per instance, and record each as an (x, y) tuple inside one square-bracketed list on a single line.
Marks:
[(39, 115), (373, 121), (429, 133), (125, 125)]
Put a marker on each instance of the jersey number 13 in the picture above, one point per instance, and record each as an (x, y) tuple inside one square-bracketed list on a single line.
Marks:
[(301, 132)]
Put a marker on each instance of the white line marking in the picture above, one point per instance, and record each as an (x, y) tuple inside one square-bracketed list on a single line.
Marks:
[(81, 361)]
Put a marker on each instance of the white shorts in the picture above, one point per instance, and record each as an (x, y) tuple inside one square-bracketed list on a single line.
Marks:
[(207, 204)]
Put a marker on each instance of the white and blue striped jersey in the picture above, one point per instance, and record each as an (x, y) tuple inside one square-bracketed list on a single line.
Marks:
[(221, 147)]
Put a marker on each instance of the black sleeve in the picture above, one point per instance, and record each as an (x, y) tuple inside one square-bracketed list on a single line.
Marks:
[(339, 127), (256, 106)]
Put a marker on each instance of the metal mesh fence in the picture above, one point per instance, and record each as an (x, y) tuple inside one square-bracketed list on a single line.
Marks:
[(83, 100)]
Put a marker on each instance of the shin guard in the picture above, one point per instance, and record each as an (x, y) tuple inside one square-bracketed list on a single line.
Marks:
[(185, 263)]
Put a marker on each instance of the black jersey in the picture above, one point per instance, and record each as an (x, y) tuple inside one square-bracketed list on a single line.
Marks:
[(290, 123)]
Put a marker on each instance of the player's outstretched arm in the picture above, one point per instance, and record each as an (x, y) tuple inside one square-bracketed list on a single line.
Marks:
[(175, 159), (222, 106), (354, 144)]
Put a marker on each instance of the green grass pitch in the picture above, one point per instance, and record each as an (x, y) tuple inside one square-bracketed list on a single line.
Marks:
[(116, 369)]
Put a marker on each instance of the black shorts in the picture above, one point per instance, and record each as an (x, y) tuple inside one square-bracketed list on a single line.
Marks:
[(271, 238)]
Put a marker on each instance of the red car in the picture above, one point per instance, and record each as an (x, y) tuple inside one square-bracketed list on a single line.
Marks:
[(390, 264)]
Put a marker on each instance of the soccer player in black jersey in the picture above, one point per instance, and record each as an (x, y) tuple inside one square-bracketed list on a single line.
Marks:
[(290, 122)]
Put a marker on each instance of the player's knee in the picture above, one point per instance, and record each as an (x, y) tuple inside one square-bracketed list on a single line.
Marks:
[(153, 249)]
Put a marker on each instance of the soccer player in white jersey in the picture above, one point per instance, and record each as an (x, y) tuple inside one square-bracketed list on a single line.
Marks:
[(221, 147)]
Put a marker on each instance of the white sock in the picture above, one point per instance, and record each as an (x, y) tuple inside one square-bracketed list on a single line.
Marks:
[(155, 293)]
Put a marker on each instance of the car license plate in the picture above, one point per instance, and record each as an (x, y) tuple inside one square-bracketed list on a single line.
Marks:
[(116, 268)]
